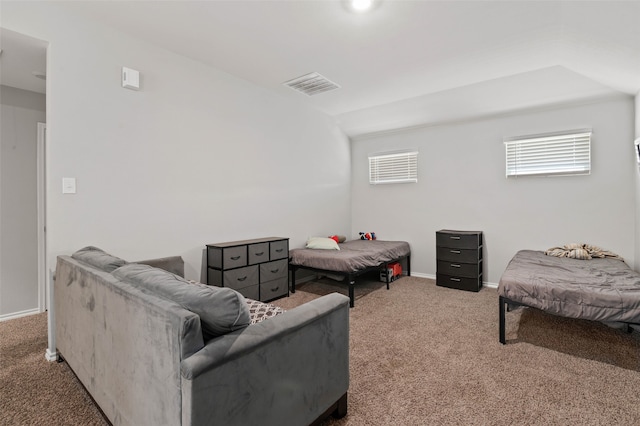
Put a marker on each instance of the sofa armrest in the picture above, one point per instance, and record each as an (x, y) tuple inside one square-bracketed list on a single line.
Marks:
[(285, 370), (173, 264)]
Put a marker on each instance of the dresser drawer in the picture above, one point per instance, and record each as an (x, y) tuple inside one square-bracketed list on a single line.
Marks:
[(274, 270), (458, 239), (467, 270), (227, 257), (251, 292), (258, 253), (241, 277), (274, 289), (460, 283), (458, 255), (279, 249)]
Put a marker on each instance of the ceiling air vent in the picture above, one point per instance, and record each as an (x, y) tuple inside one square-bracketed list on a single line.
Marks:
[(311, 84)]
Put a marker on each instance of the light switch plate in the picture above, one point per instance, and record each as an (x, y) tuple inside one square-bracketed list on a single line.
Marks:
[(68, 185)]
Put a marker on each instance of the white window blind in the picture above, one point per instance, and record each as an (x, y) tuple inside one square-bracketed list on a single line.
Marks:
[(399, 167), (557, 154)]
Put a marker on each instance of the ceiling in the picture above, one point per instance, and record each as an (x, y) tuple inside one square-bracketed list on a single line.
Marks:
[(404, 63)]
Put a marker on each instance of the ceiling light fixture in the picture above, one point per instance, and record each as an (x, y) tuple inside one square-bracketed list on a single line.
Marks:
[(361, 5)]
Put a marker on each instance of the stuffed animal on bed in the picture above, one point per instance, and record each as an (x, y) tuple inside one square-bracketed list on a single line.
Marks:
[(367, 235)]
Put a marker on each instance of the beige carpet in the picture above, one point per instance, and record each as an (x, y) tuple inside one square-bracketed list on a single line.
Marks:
[(420, 355)]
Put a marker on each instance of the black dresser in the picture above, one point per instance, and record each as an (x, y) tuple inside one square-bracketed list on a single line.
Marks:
[(258, 269), (459, 259)]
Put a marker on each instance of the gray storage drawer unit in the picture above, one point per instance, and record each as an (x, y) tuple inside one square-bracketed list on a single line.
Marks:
[(459, 259), (258, 269)]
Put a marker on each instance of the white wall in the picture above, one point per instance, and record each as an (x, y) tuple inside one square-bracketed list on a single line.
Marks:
[(195, 157), (462, 185), (20, 111)]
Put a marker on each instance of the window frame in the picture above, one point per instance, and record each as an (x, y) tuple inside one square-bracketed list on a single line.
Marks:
[(393, 167), (565, 153)]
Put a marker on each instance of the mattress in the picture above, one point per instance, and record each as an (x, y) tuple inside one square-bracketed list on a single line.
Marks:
[(353, 256), (595, 289)]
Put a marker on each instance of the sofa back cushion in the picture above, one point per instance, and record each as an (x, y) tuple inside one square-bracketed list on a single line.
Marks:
[(221, 309), (99, 259)]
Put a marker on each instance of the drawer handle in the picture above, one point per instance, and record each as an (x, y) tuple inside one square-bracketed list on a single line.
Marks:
[(260, 254), (273, 271), (279, 250), (242, 278), (235, 257), (275, 289), (455, 279), (454, 265), (455, 238), (455, 251)]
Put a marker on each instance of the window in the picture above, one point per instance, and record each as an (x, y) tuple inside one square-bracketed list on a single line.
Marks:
[(398, 167), (554, 154)]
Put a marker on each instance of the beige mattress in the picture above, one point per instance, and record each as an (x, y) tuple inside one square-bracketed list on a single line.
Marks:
[(595, 289), (353, 256)]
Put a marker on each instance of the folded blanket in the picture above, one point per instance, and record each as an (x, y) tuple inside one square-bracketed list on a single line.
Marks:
[(581, 251)]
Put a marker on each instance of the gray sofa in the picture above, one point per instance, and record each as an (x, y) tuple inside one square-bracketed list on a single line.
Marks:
[(125, 331)]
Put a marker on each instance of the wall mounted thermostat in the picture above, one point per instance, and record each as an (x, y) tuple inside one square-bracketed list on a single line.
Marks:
[(130, 78)]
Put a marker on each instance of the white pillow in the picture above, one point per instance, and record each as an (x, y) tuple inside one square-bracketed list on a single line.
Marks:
[(322, 243)]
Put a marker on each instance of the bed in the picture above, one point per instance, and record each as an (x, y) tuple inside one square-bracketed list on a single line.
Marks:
[(354, 258), (599, 289)]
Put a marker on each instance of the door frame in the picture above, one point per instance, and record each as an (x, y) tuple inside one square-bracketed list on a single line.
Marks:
[(43, 290)]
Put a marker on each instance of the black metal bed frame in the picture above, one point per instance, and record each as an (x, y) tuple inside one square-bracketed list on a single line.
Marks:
[(504, 306), (350, 276)]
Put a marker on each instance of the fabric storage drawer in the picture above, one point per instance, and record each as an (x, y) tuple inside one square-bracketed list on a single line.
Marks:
[(458, 240), (273, 270), (279, 249), (227, 257), (460, 283), (274, 289), (457, 255), (252, 292), (240, 278), (248, 265), (468, 270), (258, 253)]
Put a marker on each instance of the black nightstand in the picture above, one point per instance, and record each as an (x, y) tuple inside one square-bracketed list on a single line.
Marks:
[(459, 259)]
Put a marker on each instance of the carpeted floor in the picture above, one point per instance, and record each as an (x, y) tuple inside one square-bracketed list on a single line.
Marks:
[(420, 355)]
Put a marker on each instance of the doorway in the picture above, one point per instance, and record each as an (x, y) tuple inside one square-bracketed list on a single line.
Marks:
[(23, 270)]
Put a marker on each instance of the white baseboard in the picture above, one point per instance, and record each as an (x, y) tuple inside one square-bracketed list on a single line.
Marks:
[(433, 277), (421, 275), (51, 356), (20, 314), (413, 274), (303, 280)]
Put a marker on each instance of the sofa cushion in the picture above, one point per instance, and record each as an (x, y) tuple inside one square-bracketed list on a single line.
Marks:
[(260, 311), (221, 309), (173, 264), (99, 258)]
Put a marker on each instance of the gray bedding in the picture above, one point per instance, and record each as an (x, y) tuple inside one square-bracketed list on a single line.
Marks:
[(596, 289), (353, 256)]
